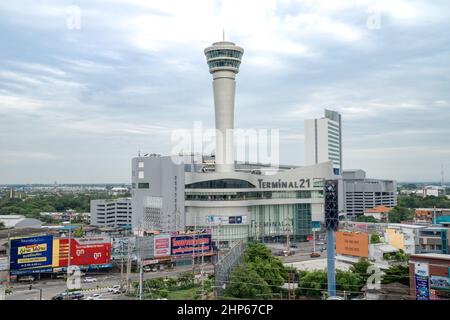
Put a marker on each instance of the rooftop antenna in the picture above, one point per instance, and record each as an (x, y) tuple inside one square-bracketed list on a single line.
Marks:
[(223, 34), (442, 178)]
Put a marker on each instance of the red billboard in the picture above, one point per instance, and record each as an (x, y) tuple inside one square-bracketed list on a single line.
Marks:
[(84, 252)]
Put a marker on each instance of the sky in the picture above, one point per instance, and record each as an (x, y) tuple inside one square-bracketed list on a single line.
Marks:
[(85, 85)]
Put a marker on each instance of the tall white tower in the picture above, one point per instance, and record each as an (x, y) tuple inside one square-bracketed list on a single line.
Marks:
[(223, 60)]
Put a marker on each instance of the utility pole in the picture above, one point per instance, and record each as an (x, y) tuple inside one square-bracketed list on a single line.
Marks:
[(141, 270), (128, 264), (9, 258), (121, 266)]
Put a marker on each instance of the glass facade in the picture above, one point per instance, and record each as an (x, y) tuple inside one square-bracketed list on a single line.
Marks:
[(252, 195), (224, 63), (224, 53), (273, 221), (220, 184)]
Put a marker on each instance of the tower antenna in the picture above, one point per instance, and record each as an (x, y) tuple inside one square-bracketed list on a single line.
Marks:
[(223, 34)]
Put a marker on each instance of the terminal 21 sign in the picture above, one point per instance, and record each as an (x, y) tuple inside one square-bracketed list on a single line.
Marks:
[(280, 184)]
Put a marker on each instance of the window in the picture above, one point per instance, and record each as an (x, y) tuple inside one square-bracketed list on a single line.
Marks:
[(141, 175), (141, 164), (221, 184), (143, 185)]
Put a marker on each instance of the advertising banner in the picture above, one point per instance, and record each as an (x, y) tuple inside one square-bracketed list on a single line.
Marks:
[(83, 251), (119, 248), (31, 253), (161, 245), (439, 282), (352, 244), (421, 277), (226, 219), (187, 244)]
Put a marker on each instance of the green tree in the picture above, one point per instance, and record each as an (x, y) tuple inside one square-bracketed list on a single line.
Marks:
[(312, 283), (375, 238), (360, 269), (399, 214), (78, 232), (245, 282), (347, 281), (396, 273), (367, 219)]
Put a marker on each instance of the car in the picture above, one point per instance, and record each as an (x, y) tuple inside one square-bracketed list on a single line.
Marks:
[(26, 279), (59, 296), (335, 298), (76, 295), (118, 290), (115, 287), (314, 254), (293, 245), (89, 279), (95, 296)]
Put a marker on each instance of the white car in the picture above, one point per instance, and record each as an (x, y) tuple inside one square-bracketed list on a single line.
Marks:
[(95, 296), (115, 287), (89, 279)]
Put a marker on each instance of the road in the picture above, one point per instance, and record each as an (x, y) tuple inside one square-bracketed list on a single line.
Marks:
[(52, 287)]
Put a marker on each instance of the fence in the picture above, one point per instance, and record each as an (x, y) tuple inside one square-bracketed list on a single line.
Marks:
[(224, 266)]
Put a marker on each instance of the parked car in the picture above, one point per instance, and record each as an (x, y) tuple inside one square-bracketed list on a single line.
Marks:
[(95, 296), (26, 279), (89, 279), (115, 287)]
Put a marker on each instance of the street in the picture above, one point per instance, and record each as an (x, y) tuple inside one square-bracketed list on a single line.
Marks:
[(52, 287)]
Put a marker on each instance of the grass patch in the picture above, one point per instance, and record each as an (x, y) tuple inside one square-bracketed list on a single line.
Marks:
[(184, 294)]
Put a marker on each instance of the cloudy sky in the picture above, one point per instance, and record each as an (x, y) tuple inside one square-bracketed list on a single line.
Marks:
[(84, 85)]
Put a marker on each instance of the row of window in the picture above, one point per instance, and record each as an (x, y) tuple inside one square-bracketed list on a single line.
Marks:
[(224, 53), (255, 195), (224, 63)]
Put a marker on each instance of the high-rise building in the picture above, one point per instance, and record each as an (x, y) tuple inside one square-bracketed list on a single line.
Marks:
[(361, 193), (323, 140), (157, 193), (224, 59), (111, 213)]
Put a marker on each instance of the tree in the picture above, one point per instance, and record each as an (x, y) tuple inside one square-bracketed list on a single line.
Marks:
[(312, 283), (367, 219), (399, 214), (78, 232), (375, 238), (396, 273), (245, 282), (2, 225), (360, 268), (347, 281)]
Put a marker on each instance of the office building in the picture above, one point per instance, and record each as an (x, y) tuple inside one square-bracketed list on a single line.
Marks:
[(323, 140), (434, 240), (111, 213), (158, 193), (361, 193)]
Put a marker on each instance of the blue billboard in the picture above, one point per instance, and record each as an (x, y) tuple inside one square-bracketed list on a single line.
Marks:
[(187, 244), (31, 253)]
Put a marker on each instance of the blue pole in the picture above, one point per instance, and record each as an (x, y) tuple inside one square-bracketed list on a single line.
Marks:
[(330, 264)]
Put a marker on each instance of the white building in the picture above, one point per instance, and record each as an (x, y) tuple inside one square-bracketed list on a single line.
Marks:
[(237, 201), (323, 140), (19, 221), (111, 213)]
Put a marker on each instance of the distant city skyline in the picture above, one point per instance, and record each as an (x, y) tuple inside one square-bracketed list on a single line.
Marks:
[(85, 85)]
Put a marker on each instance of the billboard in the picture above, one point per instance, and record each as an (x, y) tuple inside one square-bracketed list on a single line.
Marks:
[(187, 244), (119, 248), (315, 225), (83, 252), (422, 281), (31, 254), (439, 282), (161, 244), (352, 243), (395, 239), (226, 219)]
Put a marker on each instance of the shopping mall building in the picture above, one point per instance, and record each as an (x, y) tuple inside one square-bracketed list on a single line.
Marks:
[(236, 200)]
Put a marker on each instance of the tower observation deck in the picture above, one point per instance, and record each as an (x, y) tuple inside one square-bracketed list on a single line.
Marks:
[(224, 59)]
